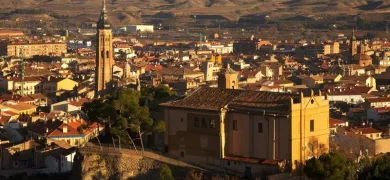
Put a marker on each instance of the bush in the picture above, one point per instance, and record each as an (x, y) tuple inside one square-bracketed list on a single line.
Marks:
[(166, 173)]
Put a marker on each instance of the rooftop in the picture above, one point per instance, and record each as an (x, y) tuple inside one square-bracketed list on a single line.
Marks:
[(214, 99)]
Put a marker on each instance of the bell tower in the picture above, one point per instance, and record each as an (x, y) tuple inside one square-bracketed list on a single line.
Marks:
[(104, 54), (228, 78), (353, 44)]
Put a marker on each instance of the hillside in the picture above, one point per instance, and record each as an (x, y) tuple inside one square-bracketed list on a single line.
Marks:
[(133, 10)]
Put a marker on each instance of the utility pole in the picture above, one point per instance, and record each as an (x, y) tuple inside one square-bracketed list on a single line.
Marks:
[(200, 40)]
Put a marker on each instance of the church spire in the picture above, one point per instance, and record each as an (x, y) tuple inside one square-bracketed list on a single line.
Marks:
[(104, 6), (353, 38), (103, 22)]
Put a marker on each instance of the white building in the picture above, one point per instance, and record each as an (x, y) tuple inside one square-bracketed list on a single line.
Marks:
[(60, 161), (71, 106), (137, 28), (222, 49)]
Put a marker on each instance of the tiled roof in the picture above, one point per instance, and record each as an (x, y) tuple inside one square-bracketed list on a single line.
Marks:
[(174, 71), (20, 106), (354, 90), (54, 128), (79, 102), (367, 130), (262, 99), (26, 79), (4, 119), (381, 99), (207, 98), (334, 122)]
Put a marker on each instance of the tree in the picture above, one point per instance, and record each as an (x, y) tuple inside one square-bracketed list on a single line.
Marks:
[(156, 94), (316, 148), (193, 175), (379, 169), (330, 166), (166, 173), (123, 114)]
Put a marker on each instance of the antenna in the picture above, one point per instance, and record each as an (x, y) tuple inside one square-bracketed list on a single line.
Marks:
[(200, 40), (22, 70)]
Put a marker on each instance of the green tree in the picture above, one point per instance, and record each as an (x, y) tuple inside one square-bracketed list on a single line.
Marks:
[(123, 114), (156, 94), (166, 173), (379, 169), (332, 166)]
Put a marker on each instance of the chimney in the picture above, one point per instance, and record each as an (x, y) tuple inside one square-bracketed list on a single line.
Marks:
[(65, 129)]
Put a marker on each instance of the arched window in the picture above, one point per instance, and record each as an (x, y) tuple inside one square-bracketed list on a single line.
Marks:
[(107, 54)]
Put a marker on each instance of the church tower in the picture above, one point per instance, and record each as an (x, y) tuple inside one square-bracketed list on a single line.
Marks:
[(353, 44), (104, 54), (228, 78)]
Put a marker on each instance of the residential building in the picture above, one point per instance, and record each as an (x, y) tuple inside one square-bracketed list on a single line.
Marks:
[(349, 94), (28, 50), (378, 102), (52, 85), (31, 85), (18, 107), (72, 106), (73, 130), (210, 69)]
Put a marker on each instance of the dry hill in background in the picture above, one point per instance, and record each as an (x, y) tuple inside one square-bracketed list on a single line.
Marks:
[(231, 9)]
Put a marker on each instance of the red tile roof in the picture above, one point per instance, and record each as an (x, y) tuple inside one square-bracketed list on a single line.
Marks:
[(54, 128), (381, 99), (333, 123), (367, 130), (80, 102)]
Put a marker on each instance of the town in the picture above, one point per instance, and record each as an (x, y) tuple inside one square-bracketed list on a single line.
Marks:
[(210, 107)]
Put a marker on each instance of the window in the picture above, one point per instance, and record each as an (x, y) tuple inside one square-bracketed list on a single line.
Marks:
[(196, 122), (235, 125), (181, 154), (182, 120), (377, 135), (212, 123), (108, 54), (260, 127), (371, 135), (204, 123), (311, 125)]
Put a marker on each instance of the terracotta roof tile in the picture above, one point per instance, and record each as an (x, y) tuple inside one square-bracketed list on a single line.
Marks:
[(335, 122), (215, 98), (79, 102), (381, 99)]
